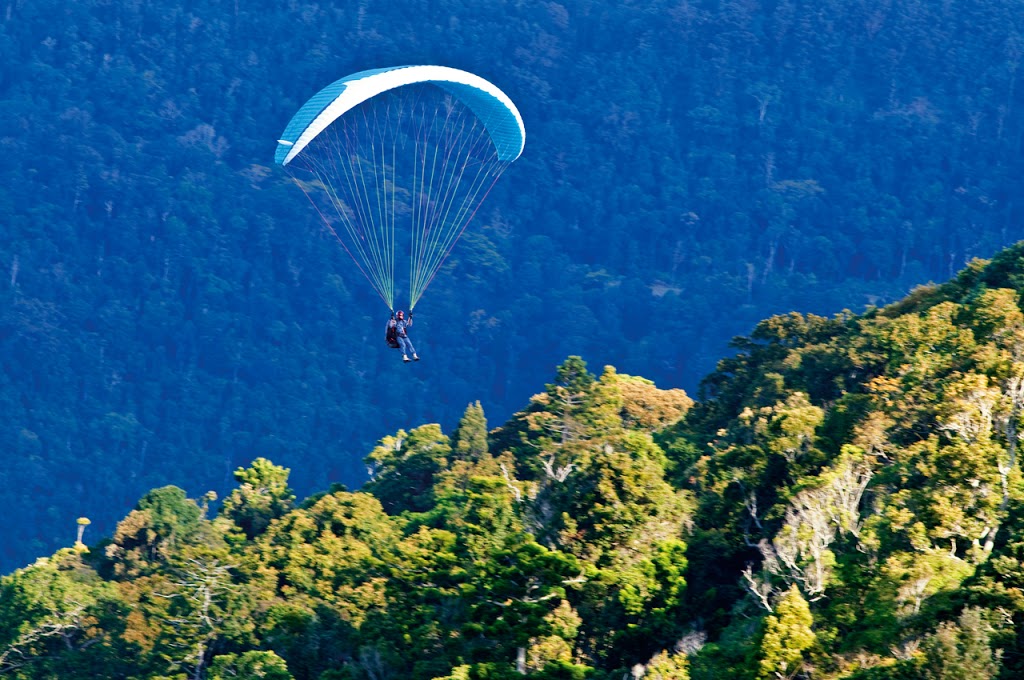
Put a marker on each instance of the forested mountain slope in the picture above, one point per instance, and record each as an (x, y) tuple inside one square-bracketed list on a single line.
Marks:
[(169, 309), (844, 501)]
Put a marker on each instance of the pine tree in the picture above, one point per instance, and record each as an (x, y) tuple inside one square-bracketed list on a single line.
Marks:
[(469, 442)]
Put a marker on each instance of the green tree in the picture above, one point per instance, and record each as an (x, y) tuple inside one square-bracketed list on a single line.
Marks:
[(163, 521), (667, 666), (513, 595), (58, 618), (203, 606), (403, 468), (334, 553), (787, 635), (262, 496), (251, 665), (469, 441), (961, 649), (474, 502)]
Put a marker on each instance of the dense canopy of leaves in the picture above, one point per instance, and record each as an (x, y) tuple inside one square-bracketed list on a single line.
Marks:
[(459, 558), (845, 501)]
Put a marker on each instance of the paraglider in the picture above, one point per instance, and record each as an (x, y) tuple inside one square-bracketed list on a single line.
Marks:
[(398, 335), (397, 162)]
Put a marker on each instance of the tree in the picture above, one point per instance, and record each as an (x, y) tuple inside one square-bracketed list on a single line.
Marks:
[(828, 507), (556, 423), (469, 442), (162, 522), (335, 552), (251, 665), (787, 635), (514, 594), (961, 649), (204, 605), (646, 407), (82, 522), (403, 468), (57, 617), (563, 624), (262, 496), (666, 666)]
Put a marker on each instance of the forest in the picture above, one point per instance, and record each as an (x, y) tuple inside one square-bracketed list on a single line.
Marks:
[(170, 309), (843, 500)]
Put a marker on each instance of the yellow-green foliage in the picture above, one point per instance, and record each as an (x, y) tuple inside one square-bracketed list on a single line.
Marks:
[(787, 634), (846, 502)]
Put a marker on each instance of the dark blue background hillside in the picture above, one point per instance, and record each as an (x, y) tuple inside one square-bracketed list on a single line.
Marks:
[(169, 308)]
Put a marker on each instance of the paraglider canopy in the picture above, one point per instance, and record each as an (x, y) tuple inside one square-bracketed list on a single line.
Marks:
[(492, 106), (400, 164)]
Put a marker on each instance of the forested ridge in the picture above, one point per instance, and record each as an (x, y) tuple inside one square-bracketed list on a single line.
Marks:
[(844, 500)]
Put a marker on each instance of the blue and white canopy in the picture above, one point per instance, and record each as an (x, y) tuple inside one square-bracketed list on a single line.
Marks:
[(397, 161), (492, 106)]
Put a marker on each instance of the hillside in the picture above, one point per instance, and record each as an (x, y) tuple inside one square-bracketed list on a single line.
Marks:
[(169, 309), (844, 500)]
